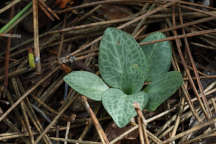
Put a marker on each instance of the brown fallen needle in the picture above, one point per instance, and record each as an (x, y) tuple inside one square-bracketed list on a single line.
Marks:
[(36, 36), (98, 127), (142, 125)]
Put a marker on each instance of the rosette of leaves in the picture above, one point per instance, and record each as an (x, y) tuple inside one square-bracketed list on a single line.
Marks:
[(124, 66)]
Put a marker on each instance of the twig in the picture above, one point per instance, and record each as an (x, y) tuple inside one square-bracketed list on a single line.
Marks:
[(67, 132), (9, 6), (36, 36), (41, 103), (7, 54), (36, 122), (196, 4), (42, 113), (55, 119), (181, 36), (200, 138), (74, 141), (57, 133), (26, 119), (85, 26), (182, 99), (142, 124), (31, 113), (127, 24), (136, 31), (203, 96), (195, 128), (124, 134), (51, 89), (43, 4), (17, 72), (198, 10), (96, 3), (26, 94), (10, 35), (160, 115), (88, 124), (100, 131), (46, 12), (182, 25), (86, 129), (140, 131), (189, 75), (61, 40), (17, 114), (186, 69)]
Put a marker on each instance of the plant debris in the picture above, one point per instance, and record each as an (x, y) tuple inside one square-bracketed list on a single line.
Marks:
[(40, 108)]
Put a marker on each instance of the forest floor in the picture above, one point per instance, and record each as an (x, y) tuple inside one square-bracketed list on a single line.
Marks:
[(42, 41)]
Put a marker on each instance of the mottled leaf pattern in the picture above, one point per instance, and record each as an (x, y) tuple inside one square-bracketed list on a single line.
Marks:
[(121, 61), (162, 88), (87, 84), (120, 106), (158, 55), (124, 65)]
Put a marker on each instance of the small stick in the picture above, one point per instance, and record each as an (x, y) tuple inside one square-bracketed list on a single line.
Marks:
[(193, 129), (61, 40), (73, 141), (203, 96), (100, 131), (126, 24), (57, 133), (25, 117), (29, 129), (192, 34), (46, 12), (41, 113), (16, 72), (141, 133), (7, 54), (10, 35), (160, 115), (199, 21), (86, 129), (36, 122), (11, 4), (17, 115), (32, 114), (88, 124), (65, 107), (43, 4), (36, 36), (67, 132), (142, 122), (197, 10), (186, 69), (26, 94), (196, 4), (139, 25)]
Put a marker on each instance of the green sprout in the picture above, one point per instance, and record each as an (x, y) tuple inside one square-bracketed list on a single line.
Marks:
[(124, 66)]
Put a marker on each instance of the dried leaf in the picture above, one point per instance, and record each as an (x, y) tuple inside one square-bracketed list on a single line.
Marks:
[(66, 68), (63, 3), (112, 12)]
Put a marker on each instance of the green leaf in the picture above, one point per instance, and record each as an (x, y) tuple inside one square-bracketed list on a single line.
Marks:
[(87, 84), (158, 55), (121, 61), (162, 88), (120, 106)]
